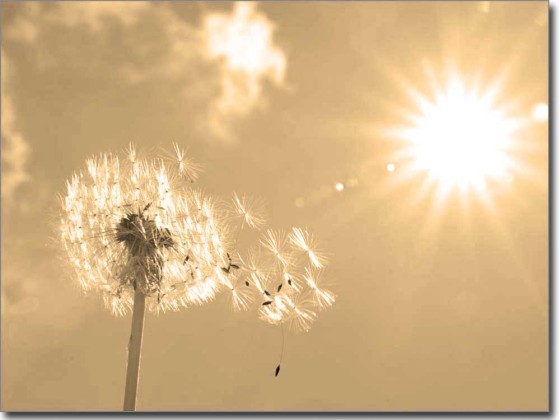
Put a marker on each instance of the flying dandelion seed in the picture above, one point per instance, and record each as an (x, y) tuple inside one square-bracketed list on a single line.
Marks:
[(249, 210), (304, 241), (136, 231)]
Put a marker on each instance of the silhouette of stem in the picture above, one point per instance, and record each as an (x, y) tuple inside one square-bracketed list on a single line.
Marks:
[(134, 350)]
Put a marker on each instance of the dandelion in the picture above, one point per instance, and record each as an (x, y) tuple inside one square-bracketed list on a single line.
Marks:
[(136, 231), (132, 226)]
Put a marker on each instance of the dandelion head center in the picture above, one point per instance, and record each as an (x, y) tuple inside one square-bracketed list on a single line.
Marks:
[(141, 236)]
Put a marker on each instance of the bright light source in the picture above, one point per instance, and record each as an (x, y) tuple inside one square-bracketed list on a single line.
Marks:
[(460, 138), (339, 186), (540, 112), (391, 167)]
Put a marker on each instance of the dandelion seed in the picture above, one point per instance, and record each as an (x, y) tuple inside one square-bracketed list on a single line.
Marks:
[(304, 241), (275, 243), (241, 297), (324, 298), (254, 263), (290, 275), (185, 166), (249, 210), (302, 315)]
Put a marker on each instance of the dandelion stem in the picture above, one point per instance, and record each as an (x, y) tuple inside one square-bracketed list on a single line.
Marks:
[(134, 349)]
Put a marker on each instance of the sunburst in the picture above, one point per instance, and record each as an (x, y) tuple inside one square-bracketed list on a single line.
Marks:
[(460, 139)]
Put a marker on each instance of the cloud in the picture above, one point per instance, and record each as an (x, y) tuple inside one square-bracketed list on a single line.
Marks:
[(165, 48), (34, 17), (93, 15), (243, 44), (22, 30), (15, 150), (24, 27), (222, 62)]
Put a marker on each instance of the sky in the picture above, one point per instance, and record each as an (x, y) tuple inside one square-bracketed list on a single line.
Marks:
[(438, 256)]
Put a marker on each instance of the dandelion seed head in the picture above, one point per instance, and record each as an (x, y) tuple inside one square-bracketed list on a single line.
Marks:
[(127, 224), (130, 223)]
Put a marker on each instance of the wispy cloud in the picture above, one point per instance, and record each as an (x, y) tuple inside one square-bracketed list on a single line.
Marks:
[(15, 150), (34, 17), (94, 15), (222, 62), (25, 27)]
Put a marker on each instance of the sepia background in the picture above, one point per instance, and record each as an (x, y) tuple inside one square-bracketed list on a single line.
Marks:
[(442, 294)]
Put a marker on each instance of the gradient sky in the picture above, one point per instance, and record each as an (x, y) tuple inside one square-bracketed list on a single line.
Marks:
[(442, 301)]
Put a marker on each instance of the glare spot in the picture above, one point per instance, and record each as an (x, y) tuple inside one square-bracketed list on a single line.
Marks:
[(391, 167), (460, 138), (540, 112), (339, 186)]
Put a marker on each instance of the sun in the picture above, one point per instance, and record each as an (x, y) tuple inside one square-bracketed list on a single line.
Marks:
[(460, 138)]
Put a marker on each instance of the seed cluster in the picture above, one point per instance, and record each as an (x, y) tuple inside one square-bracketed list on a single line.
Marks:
[(133, 223)]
